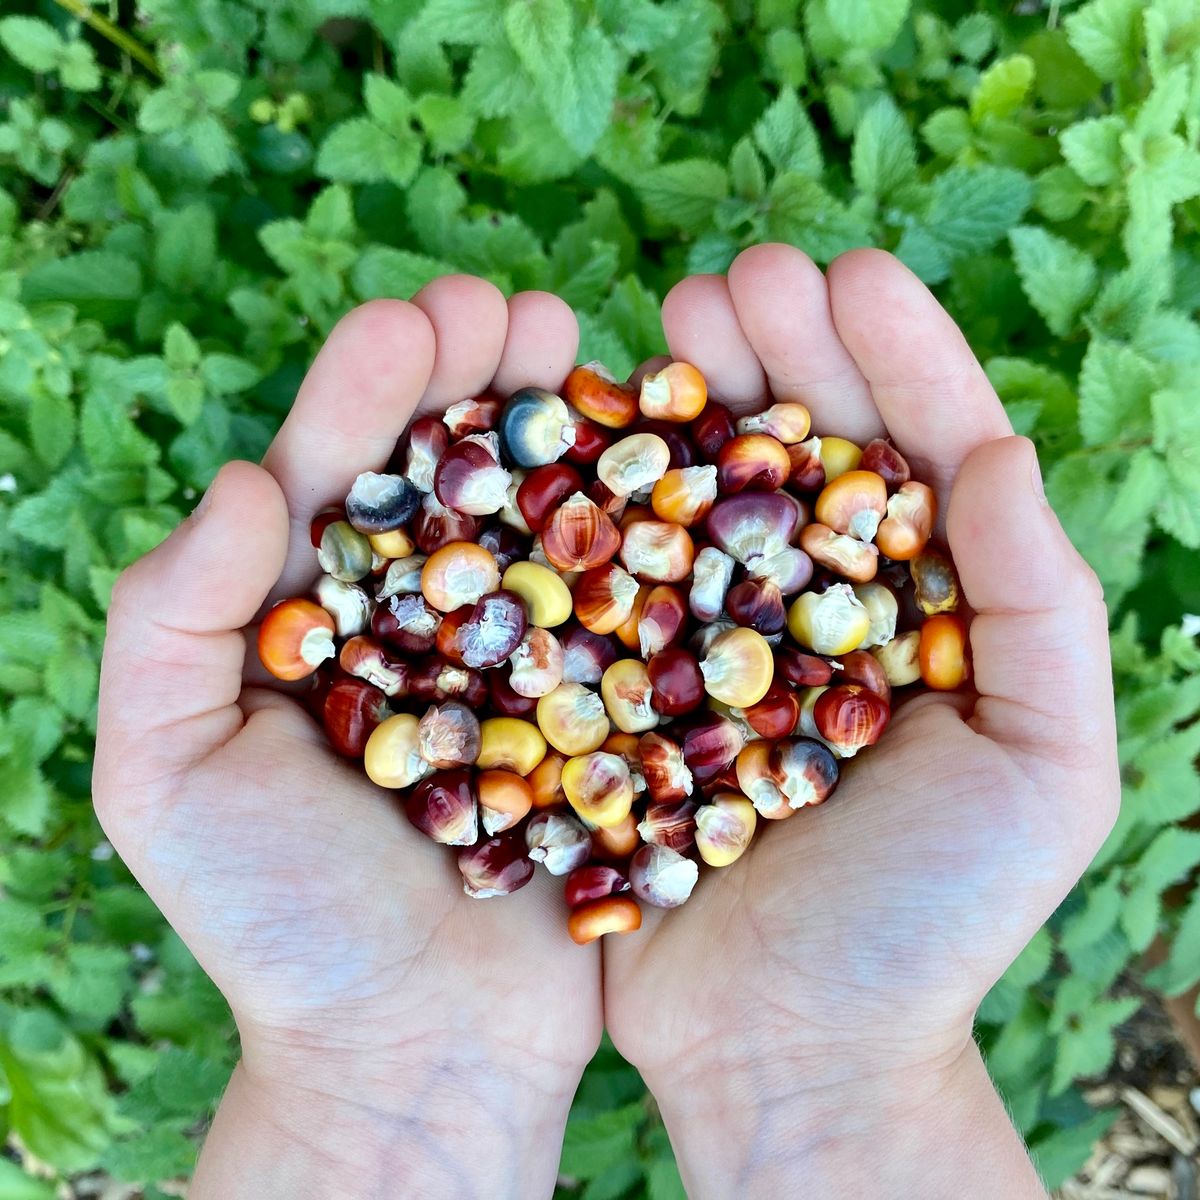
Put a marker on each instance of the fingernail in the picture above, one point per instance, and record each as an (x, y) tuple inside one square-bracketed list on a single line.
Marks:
[(1035, 477), (205, 502)]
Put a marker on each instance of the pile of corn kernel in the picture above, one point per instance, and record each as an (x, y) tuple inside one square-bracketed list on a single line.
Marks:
[(610, 631)]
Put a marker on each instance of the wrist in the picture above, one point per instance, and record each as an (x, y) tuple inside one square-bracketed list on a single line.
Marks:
[(852, 1124), (326, 1125)]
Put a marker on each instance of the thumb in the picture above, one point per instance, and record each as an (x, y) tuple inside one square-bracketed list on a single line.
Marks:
[(172, 665)]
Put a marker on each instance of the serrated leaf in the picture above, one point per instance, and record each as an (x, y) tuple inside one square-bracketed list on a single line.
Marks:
[(1115, 386), (1057, 277), (1003, 87), (1177, 436), (883, 157), (973, 208), (1093, 149), (1106, 34), (685, 194), (787, 138), (359, 151)]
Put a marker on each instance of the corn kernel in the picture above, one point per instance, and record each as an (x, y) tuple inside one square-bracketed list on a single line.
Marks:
[(724, 828), (838, 456), (943, 652), (573, 719), (547, 599), (738, 667), (599, 788), (627, 694), (392, 757), (510, 744), (829, 622)]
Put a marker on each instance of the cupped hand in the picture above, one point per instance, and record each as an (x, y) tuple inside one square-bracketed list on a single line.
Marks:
[(853, 942), (358, 972)]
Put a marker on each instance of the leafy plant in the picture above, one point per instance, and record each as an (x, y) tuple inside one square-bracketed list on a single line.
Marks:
[(186, 207)]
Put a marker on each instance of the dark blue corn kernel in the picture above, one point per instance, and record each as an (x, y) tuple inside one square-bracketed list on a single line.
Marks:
[(535, 428)]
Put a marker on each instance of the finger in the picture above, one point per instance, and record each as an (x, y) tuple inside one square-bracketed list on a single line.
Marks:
[(470, 320), (172, 667), (782, 304), (1039, 638), (354, 403), (540, 346), (702, 328), (930, 391)]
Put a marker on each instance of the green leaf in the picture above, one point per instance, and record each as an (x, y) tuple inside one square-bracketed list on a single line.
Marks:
[(866, 24), (948, 131), (59, 1105), (24, 797), (100, 284), (1168, 859), (663, 1182), (806, 215), (973, 208), (359, 151), (1061, 1153), (684, 194), (594, 1144), (51, 428), (1083, 488), (1181, 970), (1177, 437), (388, 104), (1115, 385), (34, 43), (1057, 277), (883, 157), (185, 250), (1093, 149), (16, 1185), (160, 1153), (787, 138), (1106, 34), (1003, 88), (386, 271)]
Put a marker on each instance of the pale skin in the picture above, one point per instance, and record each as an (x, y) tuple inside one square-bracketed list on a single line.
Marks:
[(804, 1022)]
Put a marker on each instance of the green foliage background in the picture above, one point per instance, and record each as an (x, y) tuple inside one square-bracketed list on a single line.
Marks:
[(192, 192)]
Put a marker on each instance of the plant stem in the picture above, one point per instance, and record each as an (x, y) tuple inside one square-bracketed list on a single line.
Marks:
[(114, 33)]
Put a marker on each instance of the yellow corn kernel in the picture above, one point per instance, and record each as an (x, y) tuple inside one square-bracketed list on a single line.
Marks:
[(838, 456), (394, 544), (392, 757), (547, 599), (511, 744), (900, 658), (738, 667), (724, 828), (627, 694), (572, 719), (599, 787), (829, 622)]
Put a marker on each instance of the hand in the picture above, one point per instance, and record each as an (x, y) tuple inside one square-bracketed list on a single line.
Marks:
[(824, 986), (388, 1022)]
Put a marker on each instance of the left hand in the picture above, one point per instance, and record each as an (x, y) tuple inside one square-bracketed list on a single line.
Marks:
[(377, 1004)]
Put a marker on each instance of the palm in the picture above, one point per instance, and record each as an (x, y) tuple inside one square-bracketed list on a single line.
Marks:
[(894, 906), (325, 919)]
